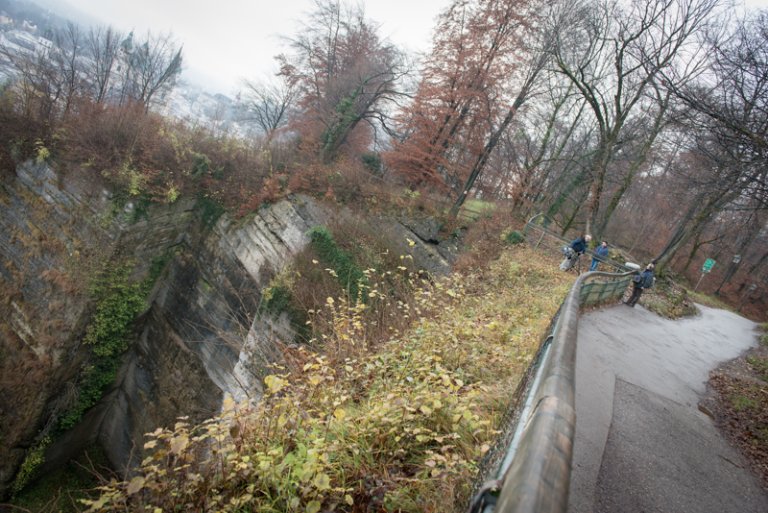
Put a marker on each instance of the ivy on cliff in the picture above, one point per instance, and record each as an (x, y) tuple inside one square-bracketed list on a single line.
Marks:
[(32, 462), (350, 276), (118, 301)]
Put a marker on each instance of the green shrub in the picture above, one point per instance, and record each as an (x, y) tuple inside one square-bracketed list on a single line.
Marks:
[(42, 154), (201, 164), (350, 276), (34, 458), (141, 207), (372, 161), (278, 299), (171, 194), (210, 210), (514, 237)]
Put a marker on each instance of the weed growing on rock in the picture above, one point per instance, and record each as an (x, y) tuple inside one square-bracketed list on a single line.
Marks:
[(34, 458)]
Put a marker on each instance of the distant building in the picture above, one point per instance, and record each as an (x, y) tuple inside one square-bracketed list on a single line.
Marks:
[(28, 26), (127, 45)]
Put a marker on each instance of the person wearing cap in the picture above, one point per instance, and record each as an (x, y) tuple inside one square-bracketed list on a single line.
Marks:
[(642, 281)]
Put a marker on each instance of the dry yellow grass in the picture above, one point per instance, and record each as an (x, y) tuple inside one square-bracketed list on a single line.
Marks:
[(397, 429)]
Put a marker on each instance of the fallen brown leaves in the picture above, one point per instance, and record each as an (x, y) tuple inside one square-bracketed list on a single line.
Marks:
[(740, 408)]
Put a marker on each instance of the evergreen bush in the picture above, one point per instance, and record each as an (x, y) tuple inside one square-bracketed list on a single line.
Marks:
[(514, 237)]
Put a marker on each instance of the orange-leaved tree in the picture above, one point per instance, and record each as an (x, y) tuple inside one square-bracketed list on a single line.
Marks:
[(468, 89)]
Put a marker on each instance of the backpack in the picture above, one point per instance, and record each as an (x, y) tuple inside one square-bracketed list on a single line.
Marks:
[(648, 282), (636, 279)]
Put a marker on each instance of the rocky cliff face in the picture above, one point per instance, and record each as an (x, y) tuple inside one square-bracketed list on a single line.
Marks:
[(42, 229), (201, 337), (198, 339), (56, 232)]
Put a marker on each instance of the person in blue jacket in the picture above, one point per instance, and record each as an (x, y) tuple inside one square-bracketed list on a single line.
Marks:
[(642, 281), (601, 253)]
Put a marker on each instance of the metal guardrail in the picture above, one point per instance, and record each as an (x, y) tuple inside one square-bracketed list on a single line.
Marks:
[(534, 475), (537, 231)]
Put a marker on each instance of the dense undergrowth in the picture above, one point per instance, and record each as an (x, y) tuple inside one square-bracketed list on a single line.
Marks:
[(398, 426)]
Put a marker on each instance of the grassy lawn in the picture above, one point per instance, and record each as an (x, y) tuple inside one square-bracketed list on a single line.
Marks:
[(472, 209)]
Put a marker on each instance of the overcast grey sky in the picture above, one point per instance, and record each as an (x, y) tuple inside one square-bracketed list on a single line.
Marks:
[(227, 40)]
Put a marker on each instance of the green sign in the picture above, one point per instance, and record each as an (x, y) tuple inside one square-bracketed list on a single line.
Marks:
[(708, 265)]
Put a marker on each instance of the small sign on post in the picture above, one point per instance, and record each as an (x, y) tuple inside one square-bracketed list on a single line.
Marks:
[(707, 267)]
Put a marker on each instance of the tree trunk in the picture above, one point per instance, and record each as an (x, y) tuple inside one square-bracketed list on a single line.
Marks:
[(493, 140), (482, 159), (633, 169)]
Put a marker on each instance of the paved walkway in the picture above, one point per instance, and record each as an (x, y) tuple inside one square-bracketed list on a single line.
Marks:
[(641, 443)]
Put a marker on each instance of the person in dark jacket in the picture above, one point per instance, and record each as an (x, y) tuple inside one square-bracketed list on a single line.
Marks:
[(601, 253), (572, 252), (580, 245), (639, 283)]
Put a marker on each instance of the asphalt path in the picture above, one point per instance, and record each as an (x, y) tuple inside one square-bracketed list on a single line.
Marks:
[(641, 443)]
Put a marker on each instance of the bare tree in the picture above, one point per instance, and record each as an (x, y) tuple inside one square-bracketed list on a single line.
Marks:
[(613, 53), (548, 136), (67, 55), (267, 105), (344, 74), (729, 114), (152, 68), (37, 81), (102, 49)]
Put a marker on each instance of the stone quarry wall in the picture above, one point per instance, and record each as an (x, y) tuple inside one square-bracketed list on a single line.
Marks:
[(199, 337)]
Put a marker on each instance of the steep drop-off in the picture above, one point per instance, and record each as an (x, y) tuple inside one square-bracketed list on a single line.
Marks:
[(199, 336)]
